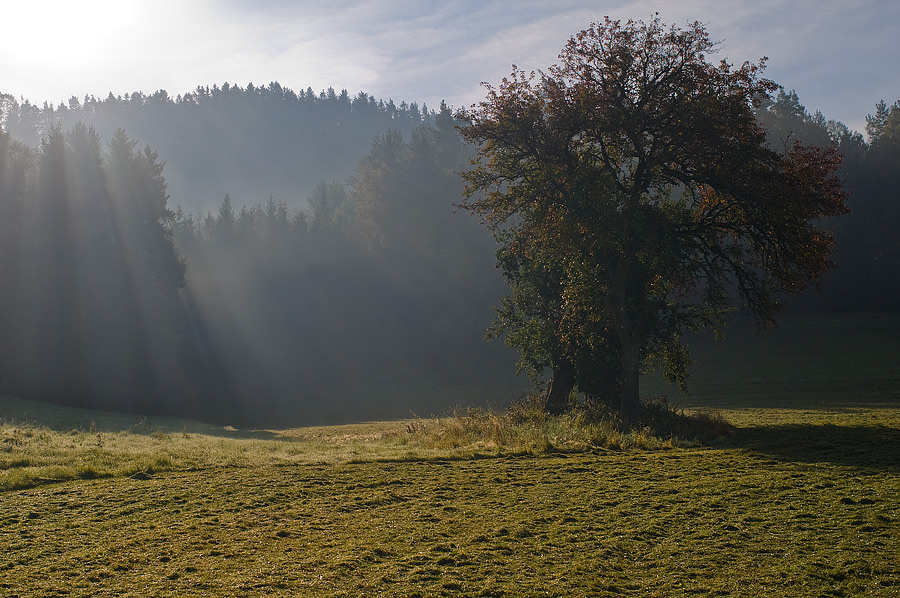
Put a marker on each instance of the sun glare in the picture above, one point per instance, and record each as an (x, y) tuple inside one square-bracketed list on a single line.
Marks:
[(66, 31), (62, 40)]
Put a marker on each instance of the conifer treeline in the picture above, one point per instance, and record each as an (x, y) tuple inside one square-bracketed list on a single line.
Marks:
[(273, 311), (282, 312), (90, 274), (867, 273), (243, 141)]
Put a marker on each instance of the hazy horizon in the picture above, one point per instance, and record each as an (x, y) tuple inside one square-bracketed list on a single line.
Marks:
[(836, 56)]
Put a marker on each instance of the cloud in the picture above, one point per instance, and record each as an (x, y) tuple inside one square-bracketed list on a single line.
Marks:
[(837, 55)]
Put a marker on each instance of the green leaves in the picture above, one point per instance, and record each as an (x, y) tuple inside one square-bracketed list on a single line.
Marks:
[(635, 196)]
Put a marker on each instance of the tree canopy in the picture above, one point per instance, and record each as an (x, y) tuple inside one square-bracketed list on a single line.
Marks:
[(635, 197)]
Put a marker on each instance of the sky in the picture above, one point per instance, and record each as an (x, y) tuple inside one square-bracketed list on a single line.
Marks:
[(839, 55)]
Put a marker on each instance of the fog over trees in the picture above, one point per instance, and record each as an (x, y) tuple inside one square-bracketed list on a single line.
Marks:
[(248, 142), (263, 256), (333, 308)]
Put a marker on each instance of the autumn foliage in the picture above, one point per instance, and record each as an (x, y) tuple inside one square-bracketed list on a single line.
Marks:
[(635, 197)]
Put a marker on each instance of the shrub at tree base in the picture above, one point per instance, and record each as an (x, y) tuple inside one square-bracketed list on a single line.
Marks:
[(525, 427)]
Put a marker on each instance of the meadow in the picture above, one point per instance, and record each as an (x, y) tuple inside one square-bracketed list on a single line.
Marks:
[(784, 480)]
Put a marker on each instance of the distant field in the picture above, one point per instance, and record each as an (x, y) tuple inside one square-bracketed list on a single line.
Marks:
[(806, 362), (803, 499)]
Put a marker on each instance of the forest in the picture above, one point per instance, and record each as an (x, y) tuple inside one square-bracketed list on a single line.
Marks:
[(248, 142), (263, 256)]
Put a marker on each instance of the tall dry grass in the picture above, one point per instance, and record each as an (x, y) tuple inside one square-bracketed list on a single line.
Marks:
[(523, 427)]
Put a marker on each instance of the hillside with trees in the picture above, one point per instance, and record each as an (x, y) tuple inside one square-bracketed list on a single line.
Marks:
[(375, 283), (89, 313), (867, 254), (263, 256), (249, 142), (255, 312)]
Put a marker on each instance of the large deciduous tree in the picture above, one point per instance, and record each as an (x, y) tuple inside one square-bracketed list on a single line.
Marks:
[(635, 197)]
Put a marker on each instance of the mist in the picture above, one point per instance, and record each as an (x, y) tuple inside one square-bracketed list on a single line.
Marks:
[(366, 300), (260, 257), (248, 142)]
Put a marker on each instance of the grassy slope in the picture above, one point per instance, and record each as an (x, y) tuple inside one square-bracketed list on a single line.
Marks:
[(800, 501)]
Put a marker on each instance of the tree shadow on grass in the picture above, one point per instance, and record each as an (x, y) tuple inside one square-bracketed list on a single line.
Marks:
[(875, 447)]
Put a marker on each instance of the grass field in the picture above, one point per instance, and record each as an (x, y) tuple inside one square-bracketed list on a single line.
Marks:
[(801, 499)]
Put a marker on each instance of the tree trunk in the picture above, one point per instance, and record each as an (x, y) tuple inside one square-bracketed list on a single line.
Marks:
[(629, 321), (560, 386), (631, 371)]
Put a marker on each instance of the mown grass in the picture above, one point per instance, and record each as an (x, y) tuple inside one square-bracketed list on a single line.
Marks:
[(732, 520), (791, 498)]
